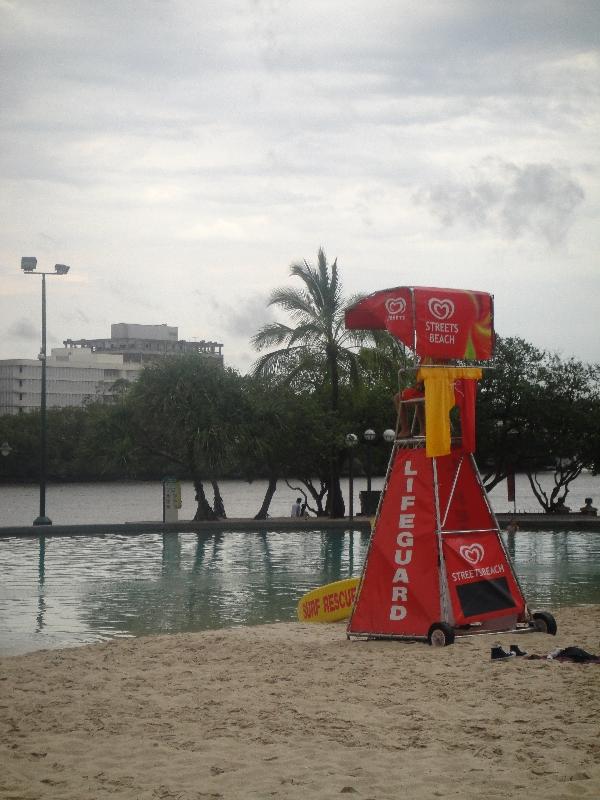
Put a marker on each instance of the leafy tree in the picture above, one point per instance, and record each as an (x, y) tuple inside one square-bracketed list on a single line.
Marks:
[(538, 411), (193, 414), (315, 349), (286, 438)]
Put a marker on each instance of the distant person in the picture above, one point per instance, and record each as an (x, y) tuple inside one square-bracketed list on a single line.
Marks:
[(560, 507), (303, 510), (588, 508), (297, 508)]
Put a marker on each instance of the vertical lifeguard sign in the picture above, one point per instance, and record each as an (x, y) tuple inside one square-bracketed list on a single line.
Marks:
[(400, 589), (436, 557)]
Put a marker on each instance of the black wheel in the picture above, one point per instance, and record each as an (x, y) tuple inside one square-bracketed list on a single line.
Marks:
[(544, 622), (440, 635)]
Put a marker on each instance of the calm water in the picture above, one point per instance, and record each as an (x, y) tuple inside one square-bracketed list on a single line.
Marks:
[(66, 591), (62, 591)]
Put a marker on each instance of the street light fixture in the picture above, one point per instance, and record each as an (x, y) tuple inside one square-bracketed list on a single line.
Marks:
[(389, 435), (29, 267), (5, 449)]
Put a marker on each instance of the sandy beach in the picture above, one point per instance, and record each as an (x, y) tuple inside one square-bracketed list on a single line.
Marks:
[(297, 711)]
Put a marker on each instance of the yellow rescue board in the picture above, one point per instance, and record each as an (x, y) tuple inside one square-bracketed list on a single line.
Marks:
[(328, 603)]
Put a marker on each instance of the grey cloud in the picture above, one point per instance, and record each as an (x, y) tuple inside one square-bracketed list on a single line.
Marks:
[(23, 329), (538, 199), (243, 317)]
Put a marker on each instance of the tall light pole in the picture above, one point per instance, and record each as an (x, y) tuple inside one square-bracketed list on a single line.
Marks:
[(370, 437), (28, 265), (351, 442)]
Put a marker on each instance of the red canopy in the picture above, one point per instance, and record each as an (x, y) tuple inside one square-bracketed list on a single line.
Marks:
[(439, 323)]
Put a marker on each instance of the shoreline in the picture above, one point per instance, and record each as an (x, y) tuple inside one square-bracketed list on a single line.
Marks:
[(292, 710)]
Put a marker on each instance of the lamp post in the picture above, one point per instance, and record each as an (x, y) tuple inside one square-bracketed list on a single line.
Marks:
[(351, 442), (370, 437), (28, 265)]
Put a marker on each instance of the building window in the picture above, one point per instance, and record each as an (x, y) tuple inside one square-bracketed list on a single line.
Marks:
[(20, 383), (20, 396)]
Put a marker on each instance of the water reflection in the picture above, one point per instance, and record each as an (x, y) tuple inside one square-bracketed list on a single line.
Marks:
[(59, 591), (41, 577)]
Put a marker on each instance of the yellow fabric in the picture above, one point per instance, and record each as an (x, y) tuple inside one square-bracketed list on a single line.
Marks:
[(439, 400)]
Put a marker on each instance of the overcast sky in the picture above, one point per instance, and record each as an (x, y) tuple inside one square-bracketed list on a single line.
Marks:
[(180, 154)]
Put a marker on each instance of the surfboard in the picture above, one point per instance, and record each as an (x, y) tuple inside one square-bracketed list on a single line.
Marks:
[(329, 603)]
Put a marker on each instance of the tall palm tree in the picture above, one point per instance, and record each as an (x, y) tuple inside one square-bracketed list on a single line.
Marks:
[(316, 341)]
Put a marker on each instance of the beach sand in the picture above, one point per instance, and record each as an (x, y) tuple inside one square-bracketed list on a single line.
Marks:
[(297, 711)]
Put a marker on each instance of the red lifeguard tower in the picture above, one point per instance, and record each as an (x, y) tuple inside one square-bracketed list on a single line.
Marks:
[(436, 566)]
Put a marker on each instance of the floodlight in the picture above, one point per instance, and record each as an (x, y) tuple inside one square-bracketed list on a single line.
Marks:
[(28, 264), (61, 269)]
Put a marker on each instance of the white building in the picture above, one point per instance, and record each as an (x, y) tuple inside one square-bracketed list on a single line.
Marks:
[(74, 376), (87, 369)]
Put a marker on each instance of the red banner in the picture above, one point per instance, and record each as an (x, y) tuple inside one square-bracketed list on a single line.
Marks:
[(480, 580), (400, 593), (435, 323)]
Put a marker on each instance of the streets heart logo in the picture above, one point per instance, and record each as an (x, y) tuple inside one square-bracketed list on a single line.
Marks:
[(395, 306), (473, 553), (441, 309)]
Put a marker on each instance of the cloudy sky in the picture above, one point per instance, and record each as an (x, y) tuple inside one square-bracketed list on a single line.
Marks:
[(180, 154)]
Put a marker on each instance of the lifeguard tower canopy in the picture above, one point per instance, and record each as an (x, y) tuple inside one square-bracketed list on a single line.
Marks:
[(433, 322)]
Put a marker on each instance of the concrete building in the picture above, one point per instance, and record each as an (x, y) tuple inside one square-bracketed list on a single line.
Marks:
[(73, 377), (142, 343), (87, 370)]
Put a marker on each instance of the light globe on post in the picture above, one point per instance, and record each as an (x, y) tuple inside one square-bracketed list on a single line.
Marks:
[(5, 449), (389, 435), (29, 267)]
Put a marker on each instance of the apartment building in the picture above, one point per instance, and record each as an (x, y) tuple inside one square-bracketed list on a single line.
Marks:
[(87, 370)]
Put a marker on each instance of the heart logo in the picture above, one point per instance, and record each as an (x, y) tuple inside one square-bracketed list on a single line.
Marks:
[(441, 309), (395, 306), (473, 553)]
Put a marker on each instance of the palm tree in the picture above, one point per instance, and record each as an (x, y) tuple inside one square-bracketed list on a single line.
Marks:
[(317, 341)]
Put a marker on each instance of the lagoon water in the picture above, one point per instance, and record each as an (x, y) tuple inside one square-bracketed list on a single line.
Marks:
[(61, 591)]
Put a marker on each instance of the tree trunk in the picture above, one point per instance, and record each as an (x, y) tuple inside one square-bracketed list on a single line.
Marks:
[(204, 511), (263, 512), (317, 496), (563, 476), (218, 505)]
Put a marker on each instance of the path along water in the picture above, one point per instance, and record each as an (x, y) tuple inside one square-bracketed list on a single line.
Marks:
[(134, 501)]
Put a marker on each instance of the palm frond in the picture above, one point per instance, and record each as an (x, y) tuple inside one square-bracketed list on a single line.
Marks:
[(274, 333), (271, 364), (293, 301)]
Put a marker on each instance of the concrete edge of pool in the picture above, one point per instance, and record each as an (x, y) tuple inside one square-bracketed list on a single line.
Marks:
[(528, 522)]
